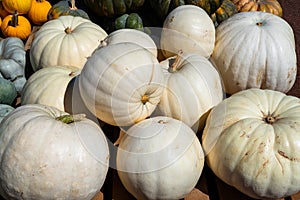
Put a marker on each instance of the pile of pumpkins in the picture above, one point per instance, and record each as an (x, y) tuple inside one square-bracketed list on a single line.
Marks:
[(205, 87)]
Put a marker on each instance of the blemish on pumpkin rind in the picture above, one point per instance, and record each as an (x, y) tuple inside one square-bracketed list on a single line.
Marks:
[(281, 153), (262, 168), (172, 19)]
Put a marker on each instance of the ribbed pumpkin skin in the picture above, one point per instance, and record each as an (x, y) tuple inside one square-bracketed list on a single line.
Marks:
[(111, 8), (48, 85), (252, 142), (67, 40), (261, 54), (270, 6)]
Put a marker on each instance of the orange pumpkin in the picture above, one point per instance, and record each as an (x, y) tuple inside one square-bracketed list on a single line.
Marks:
[(16, 25), (38, 11), (3, 12), (270, 6), (21, 6)]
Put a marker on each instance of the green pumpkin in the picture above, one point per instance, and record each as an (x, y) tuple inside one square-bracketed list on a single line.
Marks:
[(132, 20), (218, 10), (5, 110), (8, 91), (66, 7), (113, 8)]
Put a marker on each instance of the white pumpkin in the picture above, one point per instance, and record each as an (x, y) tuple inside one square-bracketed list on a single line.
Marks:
[(131, 35), (193, 86), (48, 86), (252, 141), (187, 29), (159, 158), (47, 155), (67, 40), (121, 83), (255, 50)]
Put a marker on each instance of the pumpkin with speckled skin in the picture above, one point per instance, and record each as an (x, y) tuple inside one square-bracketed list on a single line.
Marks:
[(251, 142)]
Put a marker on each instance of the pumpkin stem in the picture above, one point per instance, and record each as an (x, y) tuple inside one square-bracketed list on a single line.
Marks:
[(175, 63), (161, 121), (70, 118), (68, 30), (145, 98), (259, 23), (270, 119), (73, 7), (14, 19), (103, 43)]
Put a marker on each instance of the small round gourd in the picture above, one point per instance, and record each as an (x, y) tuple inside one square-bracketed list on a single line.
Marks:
[(255, 50), (159, 158), (187, 29), (65, 41), (252, 142), (48, 154), (121, 83)]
